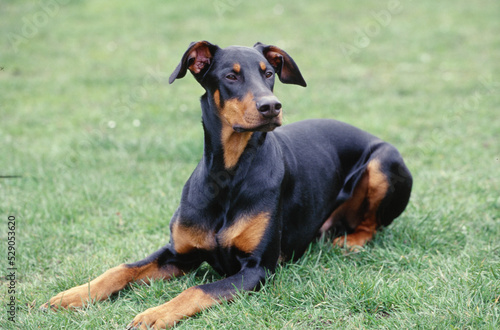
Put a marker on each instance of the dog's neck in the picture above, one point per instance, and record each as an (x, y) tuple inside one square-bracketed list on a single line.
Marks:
[(225, 148)]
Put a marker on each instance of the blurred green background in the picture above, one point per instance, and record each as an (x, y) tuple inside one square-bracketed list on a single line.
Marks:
[(103, 146)]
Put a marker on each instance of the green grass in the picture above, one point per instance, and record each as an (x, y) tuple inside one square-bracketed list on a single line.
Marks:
[(104, 145)]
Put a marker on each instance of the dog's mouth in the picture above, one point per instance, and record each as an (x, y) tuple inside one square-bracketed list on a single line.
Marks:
[(266, 127)]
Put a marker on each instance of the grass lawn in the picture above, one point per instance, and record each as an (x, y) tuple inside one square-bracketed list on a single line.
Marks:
[(104, 145)]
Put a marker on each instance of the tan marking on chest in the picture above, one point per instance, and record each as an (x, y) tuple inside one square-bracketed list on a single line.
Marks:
[(246, 233), (187, 239)]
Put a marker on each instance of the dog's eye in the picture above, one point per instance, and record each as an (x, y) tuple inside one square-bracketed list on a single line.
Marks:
[(269, 74), (231, 76)]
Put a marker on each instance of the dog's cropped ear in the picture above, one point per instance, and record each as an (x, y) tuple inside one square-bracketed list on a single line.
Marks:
[(283, 64), (197, 58)]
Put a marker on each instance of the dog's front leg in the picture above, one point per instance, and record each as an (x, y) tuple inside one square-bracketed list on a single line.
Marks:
[(198, 298), (156, 266)]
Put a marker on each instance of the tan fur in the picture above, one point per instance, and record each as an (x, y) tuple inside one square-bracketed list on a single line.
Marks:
[(188, 303), (235, 112), (113, 280), (246, 233), (372, 187), (187, 239)]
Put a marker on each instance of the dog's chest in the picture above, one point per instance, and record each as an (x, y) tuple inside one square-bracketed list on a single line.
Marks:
[(244, 234)]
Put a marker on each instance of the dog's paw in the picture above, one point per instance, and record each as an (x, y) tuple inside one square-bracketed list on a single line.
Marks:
[(72, 298), (188, 303), (101, 288), (352, 245), (154, 318)]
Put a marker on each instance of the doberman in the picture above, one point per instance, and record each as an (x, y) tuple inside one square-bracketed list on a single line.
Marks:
[(260, 194)]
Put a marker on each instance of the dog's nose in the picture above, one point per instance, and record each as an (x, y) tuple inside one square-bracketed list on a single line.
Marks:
[(269, 106)]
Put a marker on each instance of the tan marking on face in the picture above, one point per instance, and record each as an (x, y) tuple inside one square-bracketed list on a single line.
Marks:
[(187, 239), (262, 66), (372, 187), (246, 233), (280, 118), (188, 303), (242, 113), (236, 67)]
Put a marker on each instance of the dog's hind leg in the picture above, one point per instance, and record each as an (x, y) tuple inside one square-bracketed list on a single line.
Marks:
[(380, 195)]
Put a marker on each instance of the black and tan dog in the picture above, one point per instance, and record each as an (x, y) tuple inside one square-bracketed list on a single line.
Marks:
[(259, 195)]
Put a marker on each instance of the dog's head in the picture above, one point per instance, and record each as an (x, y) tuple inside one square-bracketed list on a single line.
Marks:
[(240, 81)]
